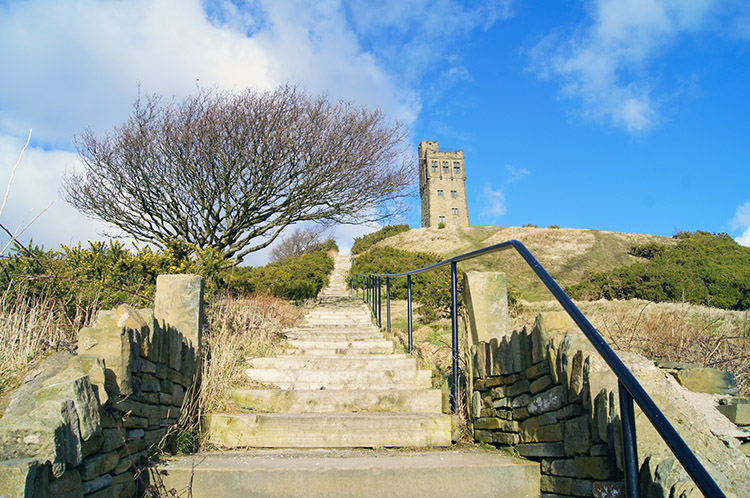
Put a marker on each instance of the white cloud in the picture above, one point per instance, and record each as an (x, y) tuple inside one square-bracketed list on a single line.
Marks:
[(741, 222), (515, 174), (603, 65), (494, 202), (70, 65)]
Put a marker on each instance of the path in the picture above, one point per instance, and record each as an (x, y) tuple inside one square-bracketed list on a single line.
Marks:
[(338, 388)]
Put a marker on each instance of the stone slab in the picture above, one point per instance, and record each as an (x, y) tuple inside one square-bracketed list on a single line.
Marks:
[(353, 474)]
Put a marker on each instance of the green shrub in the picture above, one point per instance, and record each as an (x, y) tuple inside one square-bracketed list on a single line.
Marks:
[(294, 278), (430, 289), (365, 242), (441, 225), (703, 268)]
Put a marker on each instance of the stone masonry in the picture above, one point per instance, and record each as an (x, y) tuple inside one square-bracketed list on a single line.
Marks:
[(84, 424), (442, 186), (548, 395)]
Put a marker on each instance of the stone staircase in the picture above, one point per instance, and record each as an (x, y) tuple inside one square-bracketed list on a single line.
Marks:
[(338, 388)]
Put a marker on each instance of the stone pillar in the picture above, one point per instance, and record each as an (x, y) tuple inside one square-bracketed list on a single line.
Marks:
[(486, 300), (178, 308)]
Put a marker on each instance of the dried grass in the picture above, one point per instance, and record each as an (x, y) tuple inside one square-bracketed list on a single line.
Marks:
[(239, 327), (679, 332), (31, 327)]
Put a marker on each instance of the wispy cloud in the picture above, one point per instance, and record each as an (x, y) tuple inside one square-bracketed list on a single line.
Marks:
[(69, 65), (603, 64), (494, 202), (515, 174), (741, 223)]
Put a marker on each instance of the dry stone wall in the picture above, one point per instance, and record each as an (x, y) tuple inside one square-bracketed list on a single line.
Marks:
[(84, 424), (548, 396)]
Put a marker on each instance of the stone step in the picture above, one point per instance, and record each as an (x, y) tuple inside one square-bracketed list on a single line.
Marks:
[(351, 355), (370, 345), (339, 400), (327, 430), (348, 352), (341, 379), (353, 473), (376, 362), (332, 335)]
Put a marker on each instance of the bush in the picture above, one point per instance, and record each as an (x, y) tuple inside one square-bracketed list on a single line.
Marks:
[(703, 268), (364, 243), (430, 289), (296, 278)]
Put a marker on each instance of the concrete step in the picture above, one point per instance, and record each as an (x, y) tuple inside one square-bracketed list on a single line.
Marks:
[(348, 352), (339, 400), (370, 345), (351, 355), (352, 473), (333, 335), (372, 362), (341, 379), (327, 430)]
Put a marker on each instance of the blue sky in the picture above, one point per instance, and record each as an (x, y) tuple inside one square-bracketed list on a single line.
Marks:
[(623, 115)]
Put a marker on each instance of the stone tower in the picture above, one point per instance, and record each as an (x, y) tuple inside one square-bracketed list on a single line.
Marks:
[(442, 186)]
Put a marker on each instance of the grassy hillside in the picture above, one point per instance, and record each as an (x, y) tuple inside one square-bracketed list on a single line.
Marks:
[(566, 253)]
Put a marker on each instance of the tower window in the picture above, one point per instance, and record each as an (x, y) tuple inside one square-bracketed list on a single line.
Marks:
[(434, 166), (455, 211), (440, 193), (446, 168), (454, 194), (441, 219), (456, 167)]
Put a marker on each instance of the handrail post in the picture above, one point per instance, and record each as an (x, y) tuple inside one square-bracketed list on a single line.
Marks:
[(408, 313), (388, 302), (629, 442), (380, 308), (454, 335)]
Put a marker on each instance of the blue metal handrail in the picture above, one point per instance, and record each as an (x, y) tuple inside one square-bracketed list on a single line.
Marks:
[(629, 388)]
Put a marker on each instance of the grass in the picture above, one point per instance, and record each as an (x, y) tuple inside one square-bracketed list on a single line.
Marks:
[(566, 253), (679, 332), (239, 327), (33, 326)]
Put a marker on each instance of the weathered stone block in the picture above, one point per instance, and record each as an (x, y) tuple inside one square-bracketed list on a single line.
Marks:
[(494, 359), (482, 436), (114, 345), (562, 467), (582, 487), (537, 370), (516, 353), (69, 484), (738, 414), (541, 450), (18, 477), (557, 485), (124, 485), (178, 303), (598, 468), (540, 384), (608, 490), (496, 424), (98, 464), (521, 401), (522, 386), (706, 380), (508, 438), (569, 411), (480, 366), (101, 482), (92, 445), (549, 433), (547, 401), (577, 436), (486, 300)]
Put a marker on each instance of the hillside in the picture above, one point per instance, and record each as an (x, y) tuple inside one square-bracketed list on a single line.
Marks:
[(566, 253)]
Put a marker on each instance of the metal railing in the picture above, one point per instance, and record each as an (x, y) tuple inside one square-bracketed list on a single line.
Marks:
[(629, 388)]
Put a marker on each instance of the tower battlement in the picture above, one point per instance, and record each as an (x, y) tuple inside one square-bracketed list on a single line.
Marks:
[(442, 186)]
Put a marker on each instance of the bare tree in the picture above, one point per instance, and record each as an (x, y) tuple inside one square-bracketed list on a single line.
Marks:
[(301, 241), (231, 171)]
